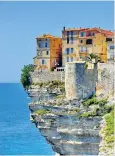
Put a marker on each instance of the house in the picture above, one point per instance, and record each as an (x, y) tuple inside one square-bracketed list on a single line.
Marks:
[(48, 52), (77, 43)]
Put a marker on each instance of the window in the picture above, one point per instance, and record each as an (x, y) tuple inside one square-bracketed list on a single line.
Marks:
[(93, 34), (86, 49), (67, 51), (47, 52), (89, 41), (43, 61), (71, 50), (81, 41), (71, 33), (71, 40), (67, 59), (71, 59), (89, 34), (67, 33), (67, 40), (108, 39), (80, 49), (39, 45), (112, 47), (45, 44), (82, 34)]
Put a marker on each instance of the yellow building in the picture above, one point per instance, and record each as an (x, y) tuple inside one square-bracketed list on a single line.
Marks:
[(77, 43), (49, 52)]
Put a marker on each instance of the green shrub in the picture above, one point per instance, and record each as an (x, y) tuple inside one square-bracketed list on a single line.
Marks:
[(75, 110), (41, 84), (60, 96), (25, 75), (109, 129), (86, 65), (94, 101), (90, 102), (59, 104), (102, 102), (42, 112), (106, 109), (62, 88), (88, 114)]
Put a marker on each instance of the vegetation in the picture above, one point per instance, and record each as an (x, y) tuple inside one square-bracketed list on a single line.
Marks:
[(86, 65), (101, 109), (25, 75), (60, 96), (75, 110), (88, 114), (94, 101), (51, 84), (109, 129), (93, 56), (42, 112)]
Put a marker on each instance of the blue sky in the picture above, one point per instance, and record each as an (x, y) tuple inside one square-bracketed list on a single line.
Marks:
[(21, 22)]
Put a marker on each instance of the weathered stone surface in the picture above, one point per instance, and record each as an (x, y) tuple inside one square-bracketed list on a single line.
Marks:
[(68, 134), (37, 77), (80, 82)]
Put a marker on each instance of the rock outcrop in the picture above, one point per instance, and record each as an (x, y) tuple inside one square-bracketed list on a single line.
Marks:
[(64, 129)]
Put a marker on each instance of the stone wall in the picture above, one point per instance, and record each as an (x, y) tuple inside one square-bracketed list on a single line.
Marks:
[(105, 84), (38, 77), (80, 81)]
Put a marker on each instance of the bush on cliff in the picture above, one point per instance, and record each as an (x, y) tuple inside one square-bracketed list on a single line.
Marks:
[(42, 112), (94, 101), (109, 129), (25, 75)]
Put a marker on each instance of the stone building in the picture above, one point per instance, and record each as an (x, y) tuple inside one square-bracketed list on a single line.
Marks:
[(48, 52), (77, 43)]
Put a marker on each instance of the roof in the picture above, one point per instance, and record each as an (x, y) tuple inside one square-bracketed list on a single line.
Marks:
[(99, 30), (76, 29), (46, 36), (102, 31)]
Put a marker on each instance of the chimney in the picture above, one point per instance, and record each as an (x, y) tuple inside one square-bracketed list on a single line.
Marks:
[(63, 28), (80, 27)]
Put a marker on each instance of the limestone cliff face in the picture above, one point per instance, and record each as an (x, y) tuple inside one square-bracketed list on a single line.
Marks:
[(64, 130)]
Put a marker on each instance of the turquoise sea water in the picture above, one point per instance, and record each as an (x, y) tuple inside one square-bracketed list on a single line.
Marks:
[(18, 136)]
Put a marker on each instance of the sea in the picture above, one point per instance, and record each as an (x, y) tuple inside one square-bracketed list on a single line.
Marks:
[(18, 135)]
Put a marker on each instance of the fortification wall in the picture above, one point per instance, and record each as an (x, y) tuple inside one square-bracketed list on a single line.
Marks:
[(38, 77), (105, 84), (80, 81)]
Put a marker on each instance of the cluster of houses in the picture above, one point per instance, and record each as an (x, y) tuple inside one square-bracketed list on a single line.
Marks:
[(75, 45)]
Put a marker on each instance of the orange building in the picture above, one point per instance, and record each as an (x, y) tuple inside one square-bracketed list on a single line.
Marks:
[(49, 52), (77, 43)]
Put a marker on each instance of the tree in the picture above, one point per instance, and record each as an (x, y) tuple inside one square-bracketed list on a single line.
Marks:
[(25, 75), (93, 56)]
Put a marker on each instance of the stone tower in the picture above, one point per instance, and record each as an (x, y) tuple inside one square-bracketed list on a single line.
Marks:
[(80, 80)]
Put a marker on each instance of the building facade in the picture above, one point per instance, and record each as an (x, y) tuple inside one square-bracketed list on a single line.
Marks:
[(77, 43), (48, 52), (110, 51)]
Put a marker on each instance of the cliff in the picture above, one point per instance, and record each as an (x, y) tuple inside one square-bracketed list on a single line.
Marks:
[(65, 131), (72, 127), (71, 116)]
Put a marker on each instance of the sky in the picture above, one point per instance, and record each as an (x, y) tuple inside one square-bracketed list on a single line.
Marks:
[(22, 22)]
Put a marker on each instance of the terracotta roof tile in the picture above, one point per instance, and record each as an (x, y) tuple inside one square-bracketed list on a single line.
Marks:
[(47, 36), (105, 32)]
